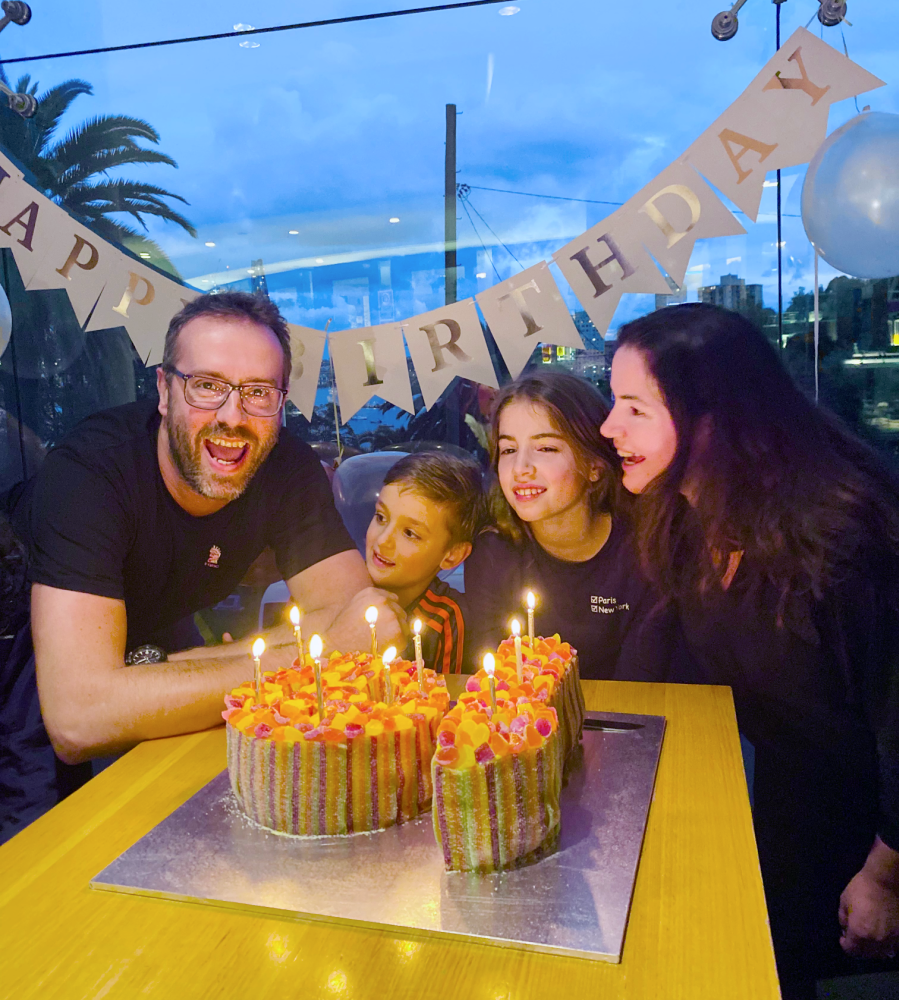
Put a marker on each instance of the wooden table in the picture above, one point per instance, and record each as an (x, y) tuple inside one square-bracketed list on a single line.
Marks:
[(698, 928)]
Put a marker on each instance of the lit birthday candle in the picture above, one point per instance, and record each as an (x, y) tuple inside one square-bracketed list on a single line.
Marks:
[(297, 632), (516, 636), (531, 603), (258, 650), (419, 662), (489, 668), (388, 658), (316, 647), (371, 616)]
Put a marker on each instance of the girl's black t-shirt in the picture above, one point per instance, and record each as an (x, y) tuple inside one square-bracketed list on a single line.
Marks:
[(604, 606)]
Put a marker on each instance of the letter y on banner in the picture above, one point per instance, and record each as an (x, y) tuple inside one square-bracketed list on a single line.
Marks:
[(445, 343), (370, 361), (525, 311)]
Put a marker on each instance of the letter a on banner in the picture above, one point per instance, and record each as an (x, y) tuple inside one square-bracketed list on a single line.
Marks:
[(370, 361), (780, 120), (445, 343), (607, 261), (306, 349), (525, 311)]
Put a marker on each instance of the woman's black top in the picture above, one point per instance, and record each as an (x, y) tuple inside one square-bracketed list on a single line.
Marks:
[(604, 607)]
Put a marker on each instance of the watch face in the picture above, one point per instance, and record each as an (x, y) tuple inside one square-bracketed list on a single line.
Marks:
[(145, 654)]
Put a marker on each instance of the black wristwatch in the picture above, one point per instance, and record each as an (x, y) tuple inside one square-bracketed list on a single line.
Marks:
[(146, 654)]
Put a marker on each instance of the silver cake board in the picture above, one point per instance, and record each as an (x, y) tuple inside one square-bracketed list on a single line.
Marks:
[(574, 902)]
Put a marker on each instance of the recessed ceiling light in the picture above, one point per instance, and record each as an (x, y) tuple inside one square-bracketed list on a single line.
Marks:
[(483, 274), (249, 45), (394, 219), (146, 255), (319, 260), (210, 244), (293, 232), (509, 11), (243, 27)]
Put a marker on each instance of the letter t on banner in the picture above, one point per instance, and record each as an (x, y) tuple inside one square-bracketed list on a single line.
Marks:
[(525, 311), (445, 343), (370, 361)]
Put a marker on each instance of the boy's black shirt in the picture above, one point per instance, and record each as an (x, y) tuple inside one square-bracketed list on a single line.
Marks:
[(442, 613), (98, 519), (604, 607)]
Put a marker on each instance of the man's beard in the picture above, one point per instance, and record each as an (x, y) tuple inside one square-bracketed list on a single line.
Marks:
[(187, 458)]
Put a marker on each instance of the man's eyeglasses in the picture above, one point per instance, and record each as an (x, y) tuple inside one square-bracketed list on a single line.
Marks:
[(207, 393)]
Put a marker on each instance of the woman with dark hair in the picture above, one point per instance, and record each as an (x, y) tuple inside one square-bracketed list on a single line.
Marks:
[(775, 532), (559, 532)]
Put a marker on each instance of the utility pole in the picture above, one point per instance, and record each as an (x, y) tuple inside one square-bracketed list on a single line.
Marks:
[(449, 195)]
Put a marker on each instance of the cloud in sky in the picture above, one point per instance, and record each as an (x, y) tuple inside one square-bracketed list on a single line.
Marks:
[(343, 127)]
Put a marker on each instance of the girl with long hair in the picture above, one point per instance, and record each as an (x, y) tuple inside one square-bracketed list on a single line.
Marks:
[(775, 533), (559, 532)]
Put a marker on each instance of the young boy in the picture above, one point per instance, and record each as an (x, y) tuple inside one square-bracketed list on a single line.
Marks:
[(426, 516)]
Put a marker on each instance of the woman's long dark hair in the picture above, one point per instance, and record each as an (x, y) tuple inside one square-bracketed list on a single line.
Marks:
[(768, 473), (577, 409)]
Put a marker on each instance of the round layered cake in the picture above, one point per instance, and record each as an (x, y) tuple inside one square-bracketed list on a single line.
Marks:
[(363, 765)]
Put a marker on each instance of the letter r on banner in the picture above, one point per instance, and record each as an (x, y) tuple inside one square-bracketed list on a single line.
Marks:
[(658, 217), (128, 296), (73, 261), (592, 270), (517, 296), (368, 352), (452, 345)]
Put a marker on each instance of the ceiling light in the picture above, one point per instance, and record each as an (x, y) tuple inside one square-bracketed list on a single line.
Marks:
[(482, 274), (319, 260), (146, 255), (249, 45), (293, 232), (509, 11), (243, 27), (394, 219), (210, 244)]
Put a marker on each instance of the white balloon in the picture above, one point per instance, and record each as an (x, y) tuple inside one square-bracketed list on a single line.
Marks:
[(5, 320), (850, 197)]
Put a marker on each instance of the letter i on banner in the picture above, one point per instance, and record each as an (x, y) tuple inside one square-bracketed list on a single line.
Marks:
[(525, 311), (446, 343), (370, 361), (607, 261), (306, 349)]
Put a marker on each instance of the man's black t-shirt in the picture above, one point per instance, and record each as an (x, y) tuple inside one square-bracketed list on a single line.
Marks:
[(604, 607), (98, 519)]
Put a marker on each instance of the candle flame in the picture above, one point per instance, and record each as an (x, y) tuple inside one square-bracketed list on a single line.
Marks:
[(532, 601), (371, 615), (489, 664), (416, 626), (258, 647), (295, 616), (516, 626), (388, 656), (316, 646)]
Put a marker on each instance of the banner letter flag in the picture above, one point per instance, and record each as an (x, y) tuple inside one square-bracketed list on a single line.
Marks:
[(28, 222), (607, 261), (370, 361), (446, 343), (143, 301), (306, 349), (674, 211), (780, 120), (525, 311)]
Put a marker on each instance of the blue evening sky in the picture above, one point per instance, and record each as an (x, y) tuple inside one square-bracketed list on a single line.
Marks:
[(332, 131)]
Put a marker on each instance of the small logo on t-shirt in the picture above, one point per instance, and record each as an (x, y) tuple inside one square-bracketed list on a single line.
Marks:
[(607, 605), (215, 553)]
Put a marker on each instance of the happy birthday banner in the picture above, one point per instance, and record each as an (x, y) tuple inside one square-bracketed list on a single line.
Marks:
[(779, 121)]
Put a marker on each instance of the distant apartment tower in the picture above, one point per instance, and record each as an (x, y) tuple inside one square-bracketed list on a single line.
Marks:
[(733, 293), (589, 334), (671, 298)]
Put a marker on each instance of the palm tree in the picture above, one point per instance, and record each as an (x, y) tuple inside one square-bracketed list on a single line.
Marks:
[(74, 171)]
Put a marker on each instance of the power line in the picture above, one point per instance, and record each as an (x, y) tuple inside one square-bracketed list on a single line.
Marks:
[(487, 224), (483, 244), (254, 31), (554, 197)]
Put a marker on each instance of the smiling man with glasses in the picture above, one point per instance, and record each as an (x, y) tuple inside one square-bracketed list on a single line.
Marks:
[(152, 511)]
